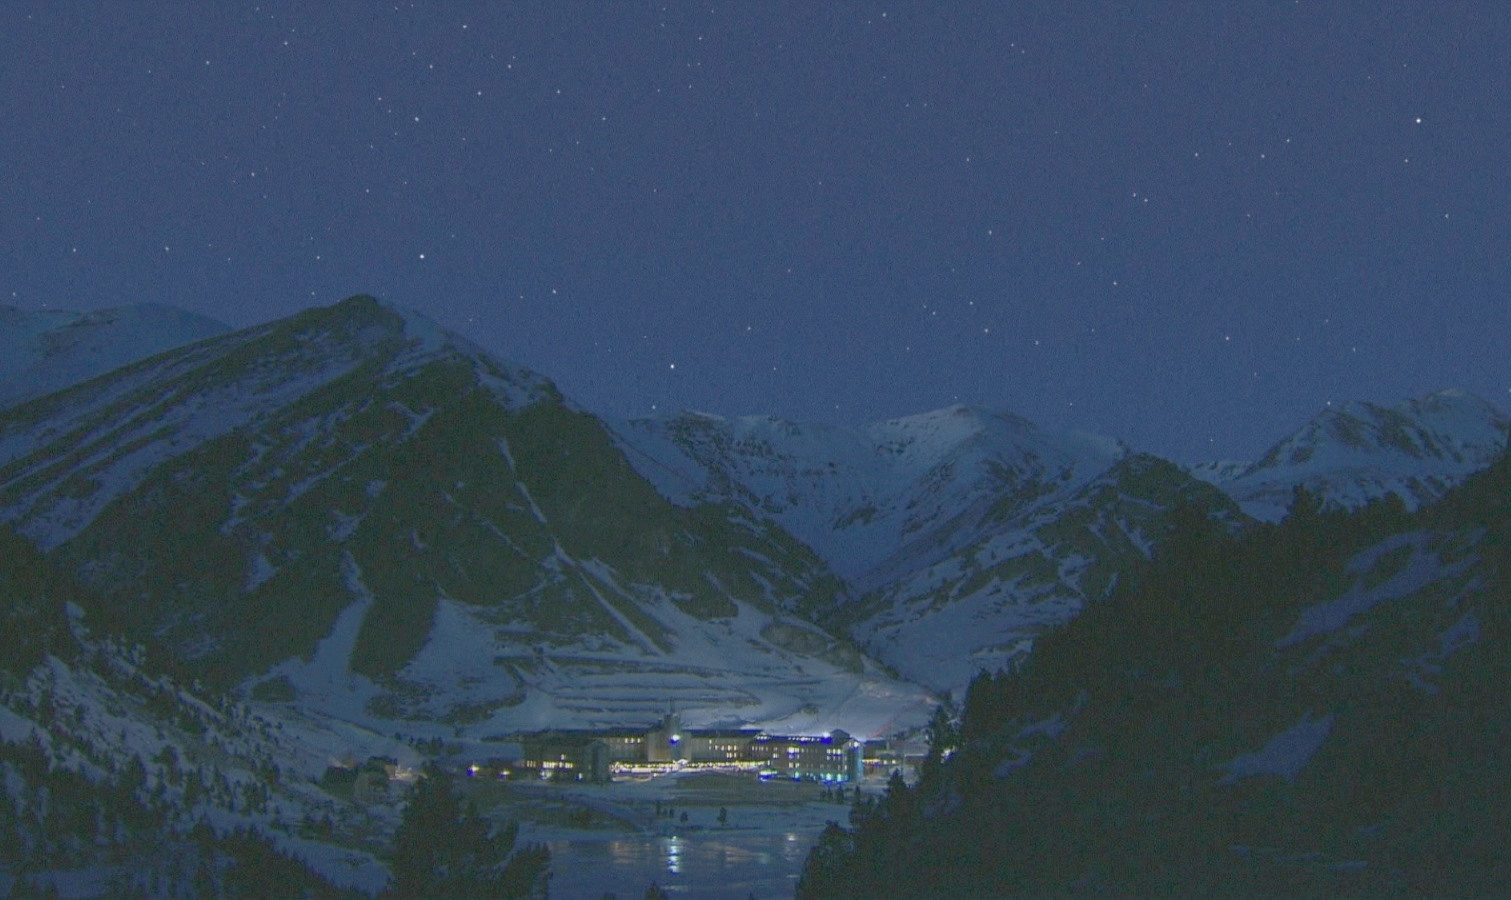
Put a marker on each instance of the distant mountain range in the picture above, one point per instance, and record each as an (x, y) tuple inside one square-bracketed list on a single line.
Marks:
[(962, 533), (1310, 709), (412, 492), (232, 556)]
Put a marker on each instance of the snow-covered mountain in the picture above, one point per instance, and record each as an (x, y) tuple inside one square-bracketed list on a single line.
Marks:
[(1024, 572), (109, 767), (1357, 452), (966, 532), (42, 351), (873, 501), (958, 535), (351, 524), (1315, 709), (357, 509)]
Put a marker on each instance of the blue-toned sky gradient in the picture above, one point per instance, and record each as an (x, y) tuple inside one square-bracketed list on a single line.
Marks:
[(1187, 225)]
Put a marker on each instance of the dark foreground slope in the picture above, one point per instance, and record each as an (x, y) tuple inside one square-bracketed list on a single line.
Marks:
[(1312, 709)]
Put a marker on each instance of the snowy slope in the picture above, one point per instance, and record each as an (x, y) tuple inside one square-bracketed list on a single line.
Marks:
[(42, 351), (97, 717), (112, 432), (966, 532), (982, 606), (1330, 728), (1348, 456), (360, 510), (874, 499)]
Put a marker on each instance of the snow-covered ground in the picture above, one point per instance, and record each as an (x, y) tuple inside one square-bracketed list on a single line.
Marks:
[(721, 673), (1422, 567), (100, 718)]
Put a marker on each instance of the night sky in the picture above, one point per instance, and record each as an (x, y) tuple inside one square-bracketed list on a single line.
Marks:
[(1190, 226)]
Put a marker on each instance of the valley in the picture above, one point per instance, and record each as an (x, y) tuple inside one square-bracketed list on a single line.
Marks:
[(235, 565)]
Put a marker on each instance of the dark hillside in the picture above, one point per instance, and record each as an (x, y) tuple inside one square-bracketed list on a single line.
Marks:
[(1317, 708), (33, 611)]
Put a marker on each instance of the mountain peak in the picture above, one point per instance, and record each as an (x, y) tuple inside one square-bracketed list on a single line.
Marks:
[(1455, 402), (360, 302), (860, 495), (1357, 451), (1450, 424)]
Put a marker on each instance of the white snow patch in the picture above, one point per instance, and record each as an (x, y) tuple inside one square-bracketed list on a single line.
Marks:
[(503, 447), (1285, 754), (1420, 669), (342, 866), (345, 525), (534, 510), (326, 682), (1423, 569), (262, 570), (1020, 758), (458, 642)]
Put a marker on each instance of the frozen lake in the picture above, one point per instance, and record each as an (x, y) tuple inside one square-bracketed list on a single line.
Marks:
[(733, 865), (758, 851)]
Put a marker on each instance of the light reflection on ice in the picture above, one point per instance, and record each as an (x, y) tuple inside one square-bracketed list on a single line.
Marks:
[(732, 864), (674, 855), (756, 849), (703, 865)]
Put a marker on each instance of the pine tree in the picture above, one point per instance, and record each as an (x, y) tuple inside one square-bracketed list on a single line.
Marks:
[(443, 848), (944, 737)]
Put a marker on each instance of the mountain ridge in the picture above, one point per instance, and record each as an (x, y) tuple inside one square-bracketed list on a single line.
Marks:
[(352, 531), (1308, 708), (42, 351), (1359, 451), (853, 492), (991, 535), (974, 526), (357, 469), (1413, 428)]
